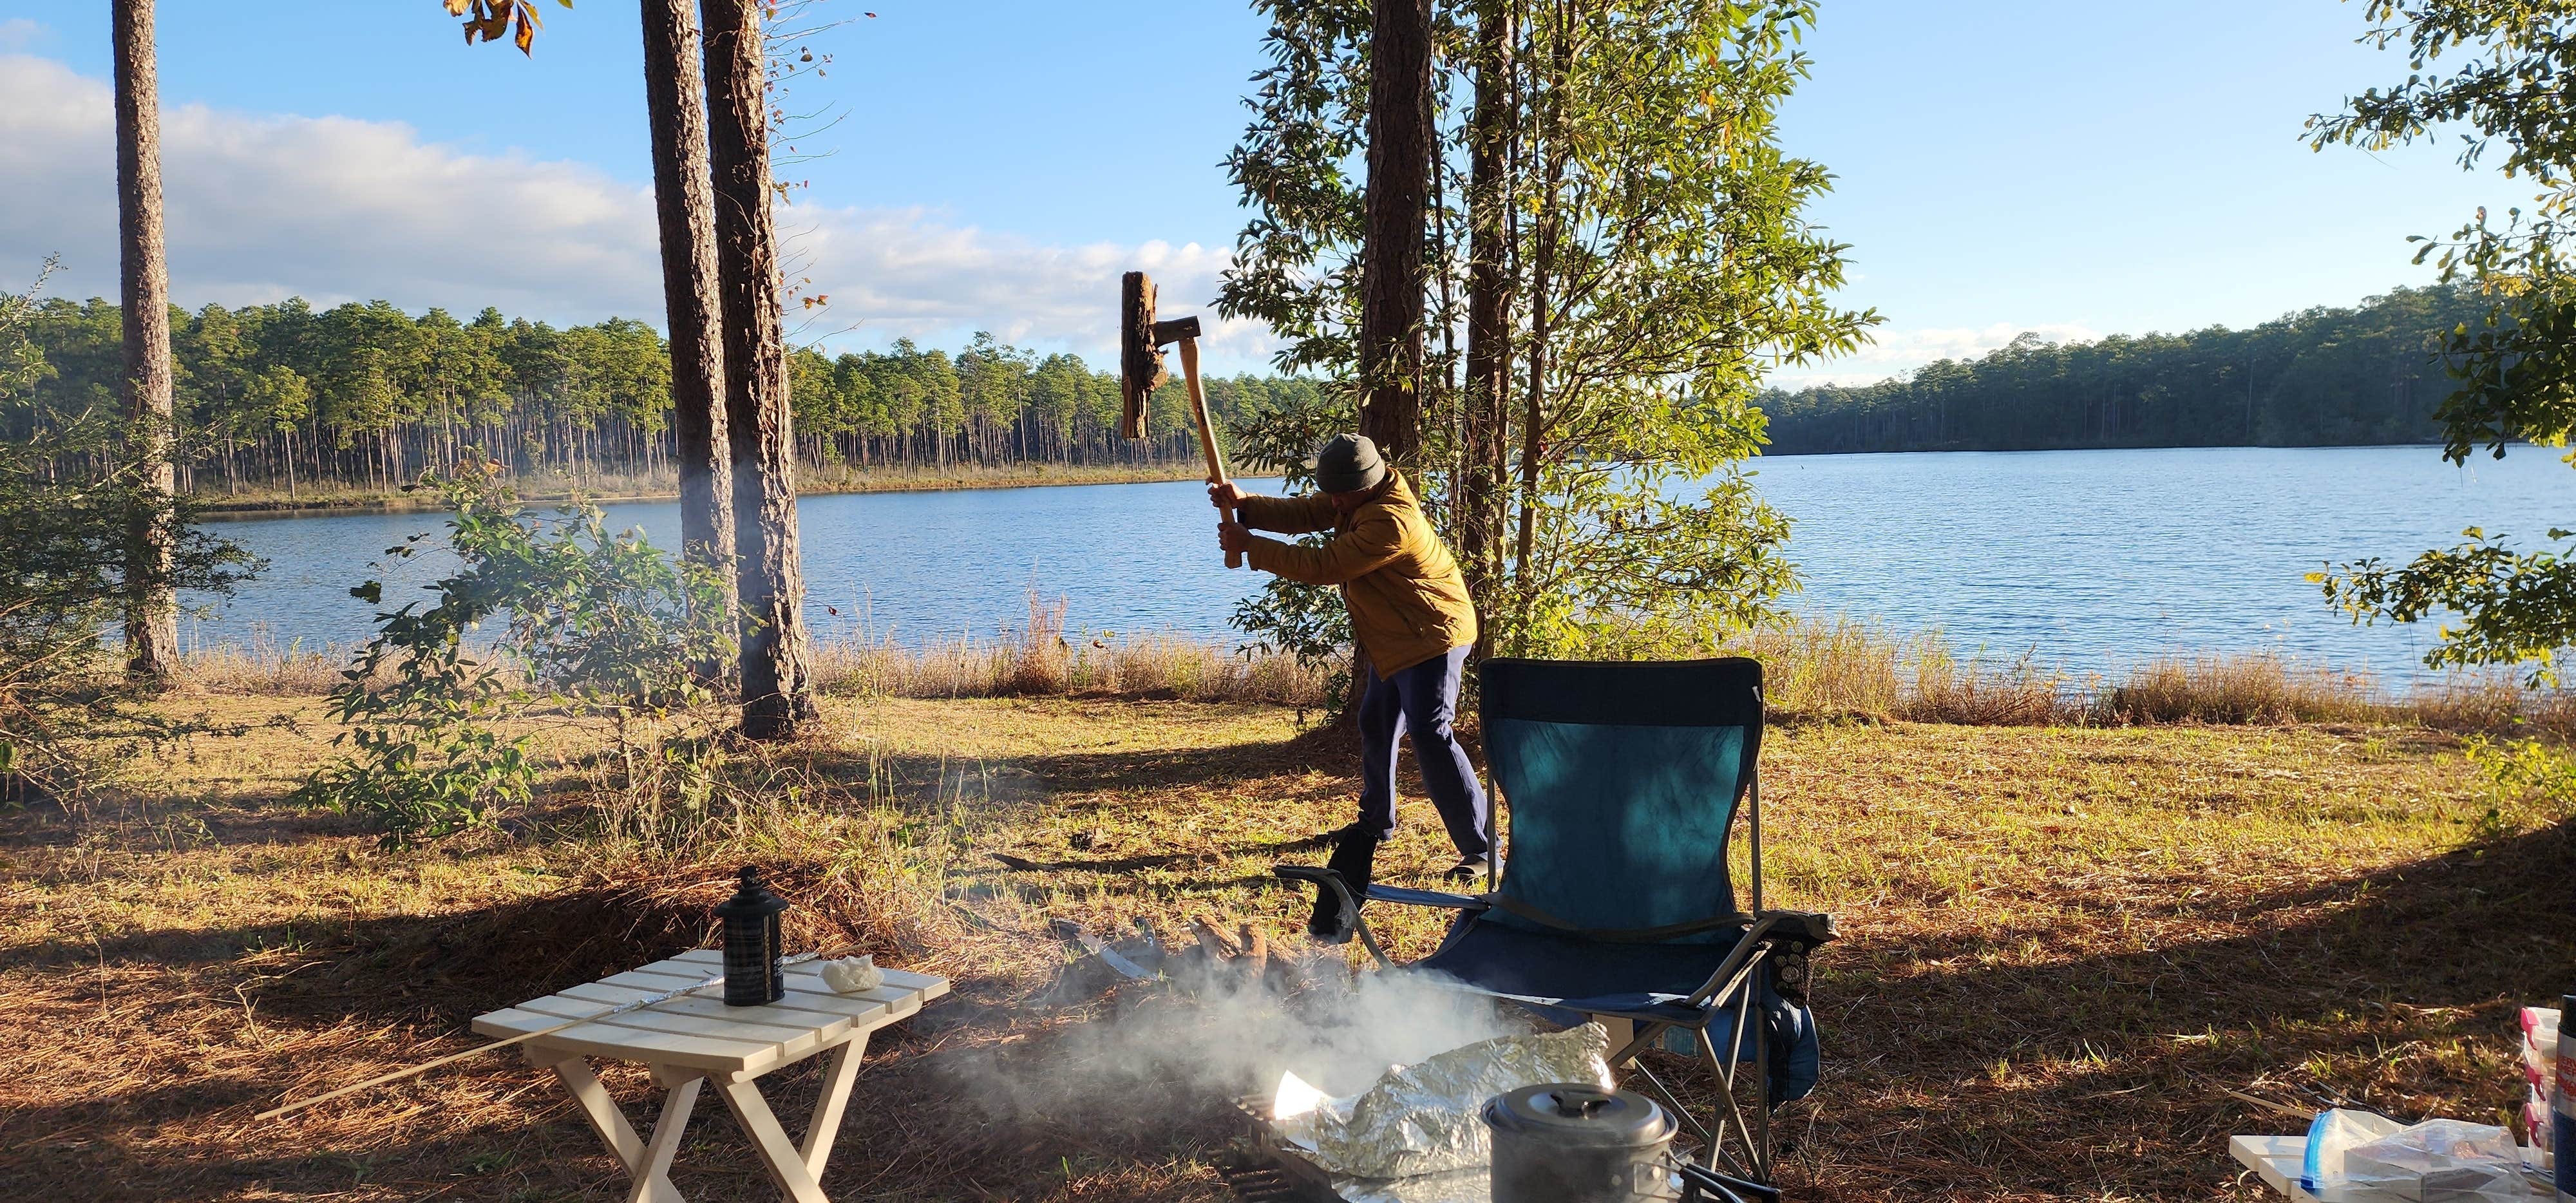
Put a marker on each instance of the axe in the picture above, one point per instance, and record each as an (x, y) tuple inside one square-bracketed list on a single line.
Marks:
[(1140, 372)]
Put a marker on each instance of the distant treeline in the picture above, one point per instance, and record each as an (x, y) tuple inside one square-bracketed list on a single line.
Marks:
[(368, 396), (2319, 377)]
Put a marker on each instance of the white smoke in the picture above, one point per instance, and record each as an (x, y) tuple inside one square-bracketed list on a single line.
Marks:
[(1230, 1039)]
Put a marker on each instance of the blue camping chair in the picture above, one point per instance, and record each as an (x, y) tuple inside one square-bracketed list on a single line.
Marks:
[(1624, 780)]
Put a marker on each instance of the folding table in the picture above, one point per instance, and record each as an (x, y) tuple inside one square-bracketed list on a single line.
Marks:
[(695, 1040)]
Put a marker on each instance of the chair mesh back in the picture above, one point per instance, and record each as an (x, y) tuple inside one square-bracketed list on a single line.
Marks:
[(1622, 780)]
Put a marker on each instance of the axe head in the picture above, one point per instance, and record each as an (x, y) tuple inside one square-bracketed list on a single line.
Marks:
[(1140, 358)]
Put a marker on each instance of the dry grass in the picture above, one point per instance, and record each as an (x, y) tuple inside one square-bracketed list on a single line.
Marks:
[(2062, 944), (1845, 667), (1033, 659), (1038, 660), (2262, 688), (2241, 689), (1814, 667), (1836, 667), (265, 667)]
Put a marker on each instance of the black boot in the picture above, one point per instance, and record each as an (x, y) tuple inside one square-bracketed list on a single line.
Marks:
[(1354, 855)]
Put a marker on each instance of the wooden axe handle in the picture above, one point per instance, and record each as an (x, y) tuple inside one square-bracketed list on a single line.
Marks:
[(1207, 430)]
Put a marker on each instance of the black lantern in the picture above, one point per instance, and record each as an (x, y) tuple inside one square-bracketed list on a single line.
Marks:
[(753, 975)]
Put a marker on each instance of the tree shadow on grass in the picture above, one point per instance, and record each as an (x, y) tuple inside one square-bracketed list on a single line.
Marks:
[(1965, 1064), (437, 969)]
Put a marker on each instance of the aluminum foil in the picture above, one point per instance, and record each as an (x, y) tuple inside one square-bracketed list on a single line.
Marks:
[(1456, 1186), (1427, 1118)]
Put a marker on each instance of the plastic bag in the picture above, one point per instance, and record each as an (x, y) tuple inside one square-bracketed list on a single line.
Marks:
[(2358, 1157)]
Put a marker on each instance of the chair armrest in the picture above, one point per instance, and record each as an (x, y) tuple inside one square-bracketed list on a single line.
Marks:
[(1808, 929), (1440, 898)]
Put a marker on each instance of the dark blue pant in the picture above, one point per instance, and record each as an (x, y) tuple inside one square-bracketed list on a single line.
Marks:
[(1423, 700)]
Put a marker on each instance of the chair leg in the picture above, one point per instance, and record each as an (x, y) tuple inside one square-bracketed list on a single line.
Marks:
[(1757, 1136), (1761, 1098), (1723, 1069), (1664, 1094)]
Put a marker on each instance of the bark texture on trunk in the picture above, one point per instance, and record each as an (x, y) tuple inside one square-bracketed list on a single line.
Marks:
[(770, 582), (1489, 313), (152, 612), (1400, 138), (684, 199), (1548, 125)]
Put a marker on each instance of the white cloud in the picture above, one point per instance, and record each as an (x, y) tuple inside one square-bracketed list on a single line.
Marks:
[(1899, 351), (333, 209)]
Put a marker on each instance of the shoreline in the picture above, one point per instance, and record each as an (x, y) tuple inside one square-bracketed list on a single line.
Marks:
[(222, 509), (219, 508)]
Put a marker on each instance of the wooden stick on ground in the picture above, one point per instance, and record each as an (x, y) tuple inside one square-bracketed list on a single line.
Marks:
[(480, 1049)]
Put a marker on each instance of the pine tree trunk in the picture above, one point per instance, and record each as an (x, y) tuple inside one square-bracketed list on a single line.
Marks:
[(684, 199), (1542, 269), (1489, 313), (152, 612), (1400, 138), (770, 584)]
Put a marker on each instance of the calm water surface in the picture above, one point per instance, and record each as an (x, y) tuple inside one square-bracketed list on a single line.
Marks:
[(2091, 559)]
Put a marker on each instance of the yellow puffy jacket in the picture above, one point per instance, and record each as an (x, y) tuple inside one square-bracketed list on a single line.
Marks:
[(1407, 601)]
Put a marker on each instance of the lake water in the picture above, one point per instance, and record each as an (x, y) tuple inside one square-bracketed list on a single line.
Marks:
[(2091, 559)]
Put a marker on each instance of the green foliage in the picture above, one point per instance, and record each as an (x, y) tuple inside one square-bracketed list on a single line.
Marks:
[(602, 622), (2368, 375), (426, 760), (2525, 768), (69, 493), (2500, 70), (2520, 772), (2516, 368), (2514, 607), (1660, 262)]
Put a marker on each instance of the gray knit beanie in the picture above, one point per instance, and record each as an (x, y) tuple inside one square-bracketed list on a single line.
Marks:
[(1347, 463)]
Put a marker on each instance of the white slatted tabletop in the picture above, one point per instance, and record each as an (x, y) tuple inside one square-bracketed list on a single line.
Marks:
[(2280, 1160), (2277, 1159), (697, 1039)]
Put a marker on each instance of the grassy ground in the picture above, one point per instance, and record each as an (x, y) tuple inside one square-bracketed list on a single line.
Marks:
[(2064, 947)]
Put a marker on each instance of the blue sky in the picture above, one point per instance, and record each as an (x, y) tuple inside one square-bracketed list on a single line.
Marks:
[(2075, 169)]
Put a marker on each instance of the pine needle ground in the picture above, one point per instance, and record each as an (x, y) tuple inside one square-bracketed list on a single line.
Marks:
[(2064, 948)]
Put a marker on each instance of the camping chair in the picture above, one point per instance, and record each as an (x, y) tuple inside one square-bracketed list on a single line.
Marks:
[(1624, 780)]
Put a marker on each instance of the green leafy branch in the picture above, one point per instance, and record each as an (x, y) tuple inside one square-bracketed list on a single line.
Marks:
[(2514, 607), (603, 621)]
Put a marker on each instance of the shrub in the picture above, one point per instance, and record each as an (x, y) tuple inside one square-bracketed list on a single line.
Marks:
[(606, 624)]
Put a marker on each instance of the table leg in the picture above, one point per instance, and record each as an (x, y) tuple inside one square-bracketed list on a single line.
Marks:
[(653, 1176), (652, 1179), (786, 1164), (838, 1073)]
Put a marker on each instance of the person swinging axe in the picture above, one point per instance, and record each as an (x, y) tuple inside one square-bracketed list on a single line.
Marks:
[(1410, 613), (1408, 603)]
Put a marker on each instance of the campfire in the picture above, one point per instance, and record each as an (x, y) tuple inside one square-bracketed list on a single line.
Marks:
[(1392, 1088)]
